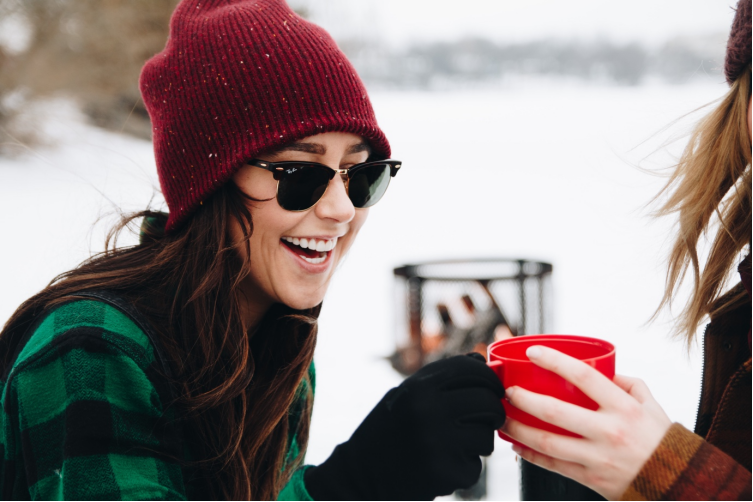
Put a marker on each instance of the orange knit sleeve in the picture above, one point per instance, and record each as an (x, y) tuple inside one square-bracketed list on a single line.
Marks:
[(685, 467)]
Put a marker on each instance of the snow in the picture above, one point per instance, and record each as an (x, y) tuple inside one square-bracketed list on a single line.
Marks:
[(540, 170), (15, 33), (398, 22)]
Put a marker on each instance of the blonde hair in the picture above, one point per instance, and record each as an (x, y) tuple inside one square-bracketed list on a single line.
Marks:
[(711, 178)]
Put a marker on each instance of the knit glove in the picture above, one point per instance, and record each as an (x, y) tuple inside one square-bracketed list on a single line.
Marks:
[(422, 440)]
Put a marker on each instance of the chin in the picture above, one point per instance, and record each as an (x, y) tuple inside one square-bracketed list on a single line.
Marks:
[(303, 302)]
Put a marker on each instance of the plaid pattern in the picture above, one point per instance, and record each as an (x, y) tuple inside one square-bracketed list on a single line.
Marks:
[(84, 413), (685, 467), (295, 489)]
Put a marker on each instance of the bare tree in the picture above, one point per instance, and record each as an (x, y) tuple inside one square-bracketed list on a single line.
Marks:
[(91, 50)]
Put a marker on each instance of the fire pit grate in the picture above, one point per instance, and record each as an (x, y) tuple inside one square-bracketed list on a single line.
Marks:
[(454, 307)]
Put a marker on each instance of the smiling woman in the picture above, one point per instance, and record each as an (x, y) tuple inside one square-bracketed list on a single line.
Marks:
[(182, 367), (296, 252)]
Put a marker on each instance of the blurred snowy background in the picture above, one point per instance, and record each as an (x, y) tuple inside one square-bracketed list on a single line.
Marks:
[(522, 126)]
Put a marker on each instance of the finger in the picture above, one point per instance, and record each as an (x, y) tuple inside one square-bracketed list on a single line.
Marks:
[(638, 389), (476, 405), (570, 469), (635, 387), (568, 416), (466, 471), (566, 448), (587, 379), (477, 440), (469, 372), (469, 473)]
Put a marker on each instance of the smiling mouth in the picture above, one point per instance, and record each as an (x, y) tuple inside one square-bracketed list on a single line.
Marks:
[(314, 251)]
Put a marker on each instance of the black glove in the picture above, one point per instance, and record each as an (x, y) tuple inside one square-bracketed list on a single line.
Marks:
[(421, 441)]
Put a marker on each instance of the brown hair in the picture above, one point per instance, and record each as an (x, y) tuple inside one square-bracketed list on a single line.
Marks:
[(234, 388), (711, 178)]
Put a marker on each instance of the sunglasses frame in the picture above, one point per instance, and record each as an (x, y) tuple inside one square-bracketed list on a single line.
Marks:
[(280, 169)]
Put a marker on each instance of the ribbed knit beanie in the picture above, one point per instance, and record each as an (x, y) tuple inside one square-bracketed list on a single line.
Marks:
[(238, 78), (738, 45)]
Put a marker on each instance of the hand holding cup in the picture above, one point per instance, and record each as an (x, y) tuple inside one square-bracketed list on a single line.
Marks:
[(612, 441)]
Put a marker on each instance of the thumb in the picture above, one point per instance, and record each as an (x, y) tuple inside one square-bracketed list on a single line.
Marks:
[(635, 387)]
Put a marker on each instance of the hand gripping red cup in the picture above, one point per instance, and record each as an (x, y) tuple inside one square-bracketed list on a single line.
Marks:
[(507, 358)]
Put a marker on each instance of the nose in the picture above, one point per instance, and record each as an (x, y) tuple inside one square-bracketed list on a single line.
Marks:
[(335, 203)]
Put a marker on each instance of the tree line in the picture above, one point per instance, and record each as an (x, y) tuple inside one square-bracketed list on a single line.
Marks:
[(478, 60), (92, 51)]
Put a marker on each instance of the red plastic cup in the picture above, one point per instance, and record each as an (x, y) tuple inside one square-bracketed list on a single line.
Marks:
[(509, 361)]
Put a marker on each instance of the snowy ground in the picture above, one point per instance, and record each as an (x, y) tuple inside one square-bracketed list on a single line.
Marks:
[(538, 170)]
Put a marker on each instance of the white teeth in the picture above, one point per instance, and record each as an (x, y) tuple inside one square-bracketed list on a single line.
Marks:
[(320, 246), (314, 261)]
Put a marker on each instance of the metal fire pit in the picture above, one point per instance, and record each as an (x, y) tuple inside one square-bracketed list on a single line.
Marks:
[(458, 306), (445, 308)]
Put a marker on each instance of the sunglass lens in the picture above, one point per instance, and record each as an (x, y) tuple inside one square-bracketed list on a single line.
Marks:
[(368, 185), (302, 187)]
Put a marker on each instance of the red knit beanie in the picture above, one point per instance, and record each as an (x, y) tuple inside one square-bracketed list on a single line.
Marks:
[(238, 78), (738, 45)]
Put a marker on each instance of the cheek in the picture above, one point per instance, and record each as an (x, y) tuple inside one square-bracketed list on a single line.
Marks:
[(257, 183), (359, 219), (355, 226), (270, 223), (268, 265)]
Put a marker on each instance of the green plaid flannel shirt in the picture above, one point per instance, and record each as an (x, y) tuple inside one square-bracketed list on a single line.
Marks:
[(84, 415)]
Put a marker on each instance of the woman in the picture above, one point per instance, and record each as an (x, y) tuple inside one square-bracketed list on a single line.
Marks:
[(630, 449), (181, 368)]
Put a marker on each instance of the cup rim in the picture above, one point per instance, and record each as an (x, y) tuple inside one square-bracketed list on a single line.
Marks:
[(542, 337)]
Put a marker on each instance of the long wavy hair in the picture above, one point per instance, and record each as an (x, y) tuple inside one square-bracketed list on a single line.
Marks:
[(710, 190), (234, 387)]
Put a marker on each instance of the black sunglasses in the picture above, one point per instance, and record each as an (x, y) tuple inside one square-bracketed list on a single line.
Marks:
[(300, 185)]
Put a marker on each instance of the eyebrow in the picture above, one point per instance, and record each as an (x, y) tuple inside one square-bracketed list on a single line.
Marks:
[(320, 149), (303, 147), (359, 147)]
